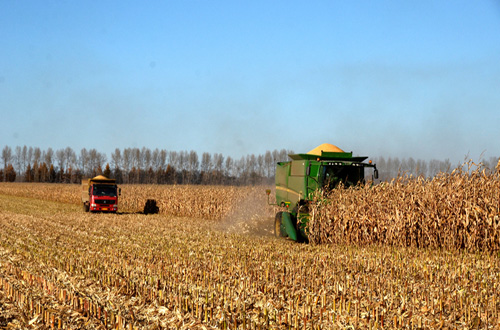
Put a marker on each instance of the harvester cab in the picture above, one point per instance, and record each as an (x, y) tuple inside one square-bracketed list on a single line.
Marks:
[(321, 169)]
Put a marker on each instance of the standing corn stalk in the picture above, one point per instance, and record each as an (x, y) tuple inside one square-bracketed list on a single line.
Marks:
[(453, 210)]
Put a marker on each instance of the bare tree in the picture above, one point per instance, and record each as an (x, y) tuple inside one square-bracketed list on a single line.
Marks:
[(155, 159), (206, 162), (93, 162), (29, 158), (172, 158), (268, 161), (182, 158), (83, 162), (260, 166), (158, 165), (229, 168), (206, 167), (445, 166), (393, 167), (18, 159), (163, 159), (96, 161), (382, 168), (218, 165), (412, 166), (101, 160), (172, 165), (137, 160), (116, 158), (193, 166), (49, 156), (490, 164), (283, 155), (24, 158), (127, 161), (146, 158), (60, 158), (6, 156), (240, 170), (421, 169), (37, 155), (433, 167), (70, 156)]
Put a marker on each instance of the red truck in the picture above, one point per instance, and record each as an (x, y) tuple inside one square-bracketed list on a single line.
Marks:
[(100, 194)]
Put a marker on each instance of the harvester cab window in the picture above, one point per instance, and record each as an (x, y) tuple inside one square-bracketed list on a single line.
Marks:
[(104, 190), (348, 175)]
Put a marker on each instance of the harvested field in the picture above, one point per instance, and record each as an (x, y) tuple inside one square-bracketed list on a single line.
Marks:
[(62, 268)]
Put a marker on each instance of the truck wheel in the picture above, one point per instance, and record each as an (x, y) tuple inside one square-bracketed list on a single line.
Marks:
[(86, 207), (279, 230)]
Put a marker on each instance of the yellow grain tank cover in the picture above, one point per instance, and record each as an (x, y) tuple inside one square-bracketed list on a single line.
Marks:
[(325, 147)]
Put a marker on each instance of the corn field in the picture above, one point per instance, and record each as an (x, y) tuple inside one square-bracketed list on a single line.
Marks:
[(61, 268), (458, 210), (205, 202)]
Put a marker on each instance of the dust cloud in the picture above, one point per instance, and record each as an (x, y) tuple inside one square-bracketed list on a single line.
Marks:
[(251, 216)]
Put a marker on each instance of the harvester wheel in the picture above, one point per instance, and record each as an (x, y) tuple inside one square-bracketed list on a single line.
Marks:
[(279, 230), (86, 207)]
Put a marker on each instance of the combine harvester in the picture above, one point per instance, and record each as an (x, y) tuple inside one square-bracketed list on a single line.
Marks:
[(323, 168)]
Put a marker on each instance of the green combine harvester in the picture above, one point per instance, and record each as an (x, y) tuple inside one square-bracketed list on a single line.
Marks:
[(321, 169)]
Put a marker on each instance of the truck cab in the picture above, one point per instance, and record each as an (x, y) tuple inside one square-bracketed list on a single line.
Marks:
[(100, 194), (324, 168)]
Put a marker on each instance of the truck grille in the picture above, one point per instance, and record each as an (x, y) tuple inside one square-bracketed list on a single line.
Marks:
[(104, 201)]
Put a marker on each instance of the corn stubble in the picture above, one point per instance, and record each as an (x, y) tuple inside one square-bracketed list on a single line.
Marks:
[(62, 268)]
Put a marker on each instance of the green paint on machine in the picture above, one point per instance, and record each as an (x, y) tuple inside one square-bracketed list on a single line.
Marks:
[(321, 169)]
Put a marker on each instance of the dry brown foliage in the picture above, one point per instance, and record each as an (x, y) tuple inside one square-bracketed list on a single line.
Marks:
[(458, 210)]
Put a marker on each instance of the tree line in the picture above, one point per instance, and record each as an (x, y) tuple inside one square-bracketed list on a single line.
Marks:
[(159, 166), (134, 165), (393, 167)]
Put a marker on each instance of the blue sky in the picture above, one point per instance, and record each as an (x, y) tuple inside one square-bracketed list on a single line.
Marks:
[(381, 78)]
